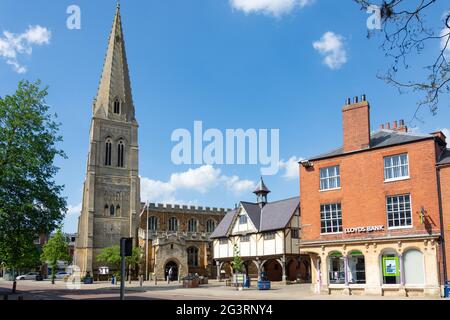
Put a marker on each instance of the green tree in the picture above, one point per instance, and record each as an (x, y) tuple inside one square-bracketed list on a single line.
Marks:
[(30, 201), (56, 249), (111, 258), (237, 262)]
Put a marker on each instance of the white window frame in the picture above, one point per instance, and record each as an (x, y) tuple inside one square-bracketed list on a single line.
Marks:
[(243, 216), (410, 209), (331, 219), (392, 167), (269, 236), (329, 178), (245, 239)]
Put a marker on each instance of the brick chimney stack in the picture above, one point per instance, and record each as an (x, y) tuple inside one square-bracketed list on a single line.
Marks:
[(356, 123)]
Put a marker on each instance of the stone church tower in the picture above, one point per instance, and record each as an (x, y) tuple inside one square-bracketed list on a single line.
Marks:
[(111, 196)]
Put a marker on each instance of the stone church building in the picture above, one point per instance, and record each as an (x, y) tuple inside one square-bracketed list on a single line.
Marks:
[(112, 208), (178, 238)]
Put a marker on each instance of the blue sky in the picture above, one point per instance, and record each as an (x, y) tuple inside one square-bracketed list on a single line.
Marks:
[(231, 64)]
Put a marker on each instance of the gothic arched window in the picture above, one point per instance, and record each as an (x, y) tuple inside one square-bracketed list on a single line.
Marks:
[(152, 223), (120, 152), (118, 210), (173, 224), (108, 152), (106, 209), (192, 256), (112, 210), (192, 225), (117, 106), (210, 226)]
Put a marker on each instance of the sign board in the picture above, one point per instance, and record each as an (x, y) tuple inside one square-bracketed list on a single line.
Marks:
[(367, 229), (391, 267), (103, 270)]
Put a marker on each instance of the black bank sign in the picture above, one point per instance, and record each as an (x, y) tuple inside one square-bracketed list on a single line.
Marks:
[(364, 229)]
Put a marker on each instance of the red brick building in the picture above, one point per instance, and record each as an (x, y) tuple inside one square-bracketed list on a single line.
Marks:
[(371, 211)]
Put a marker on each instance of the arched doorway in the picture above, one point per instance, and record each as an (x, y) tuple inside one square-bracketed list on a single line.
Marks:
[(273, 270), (293, 269), (414, 267), (305, 269), (171, 265)]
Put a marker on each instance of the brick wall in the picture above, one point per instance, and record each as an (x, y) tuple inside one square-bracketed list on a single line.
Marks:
[(363, 191), (356, 122), (445, 193)]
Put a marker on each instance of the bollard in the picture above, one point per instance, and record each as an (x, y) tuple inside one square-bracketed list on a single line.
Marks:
[(141, 280)]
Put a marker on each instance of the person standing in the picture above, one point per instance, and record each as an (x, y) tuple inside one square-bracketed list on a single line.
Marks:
[(169, 277)]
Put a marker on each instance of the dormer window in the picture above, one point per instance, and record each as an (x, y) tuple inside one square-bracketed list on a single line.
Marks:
[(117, 106)]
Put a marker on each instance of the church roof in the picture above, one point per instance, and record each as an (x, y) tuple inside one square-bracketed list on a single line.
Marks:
[(115, 78), (273, 216)]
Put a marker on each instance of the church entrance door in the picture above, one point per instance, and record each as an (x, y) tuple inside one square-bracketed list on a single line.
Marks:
[(171, 265)]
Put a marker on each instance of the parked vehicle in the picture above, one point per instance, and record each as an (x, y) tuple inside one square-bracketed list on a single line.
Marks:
[(30, 276), (61, 275)]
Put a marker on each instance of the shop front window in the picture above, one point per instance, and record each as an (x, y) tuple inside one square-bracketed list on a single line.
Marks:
[(336, 268), (390, 264), (356, 268)]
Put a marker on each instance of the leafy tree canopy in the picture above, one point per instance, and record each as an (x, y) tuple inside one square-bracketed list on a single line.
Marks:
[(30, 201)]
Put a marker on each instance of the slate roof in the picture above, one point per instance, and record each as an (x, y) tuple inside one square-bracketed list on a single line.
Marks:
[(379, 139), (445, 158), (222, 229), (273, 216)]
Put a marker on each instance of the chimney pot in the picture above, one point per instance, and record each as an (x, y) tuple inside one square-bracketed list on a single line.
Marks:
[(356, 99), (382, 126), (388, 125), (349, 101), (395, 124), (364, 97), (402, 123)]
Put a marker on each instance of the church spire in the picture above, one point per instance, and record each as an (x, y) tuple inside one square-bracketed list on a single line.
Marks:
[(114, 99)]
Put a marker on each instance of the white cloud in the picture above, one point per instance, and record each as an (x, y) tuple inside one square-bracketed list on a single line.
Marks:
[(238, 186), (291, 168), (331, 46), (12, 45), (74, 210), (269, 7), (202, 179)]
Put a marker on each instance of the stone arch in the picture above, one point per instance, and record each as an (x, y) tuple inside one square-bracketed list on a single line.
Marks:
[(273, 269), (170, 263), (226, 266), (389, 279), (414, 266)]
